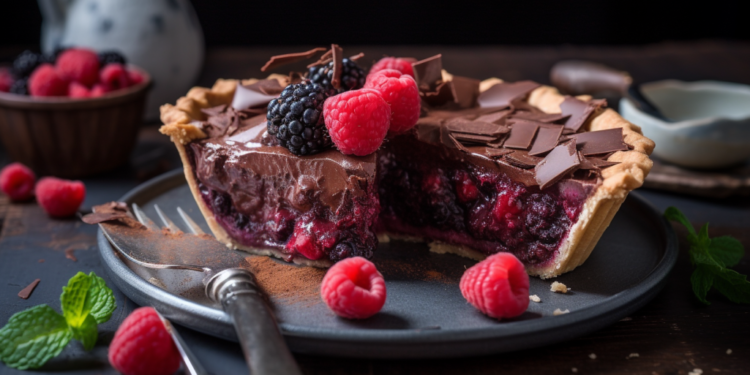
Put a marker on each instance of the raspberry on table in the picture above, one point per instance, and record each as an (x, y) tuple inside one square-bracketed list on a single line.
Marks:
[(352, 76), (114, 76), (60, 198), (6, 80), (296, 121), (357, 121), (396, 63), (497, 286), (46, 81), (401, 93), (77, 90), (17, 182), (79, 65), (353, 288), (143, 346)]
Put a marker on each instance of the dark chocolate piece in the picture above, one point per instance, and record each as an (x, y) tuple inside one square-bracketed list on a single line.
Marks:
[(442, 94), (251, 96), (503, 94), (279, 60), (600, 142), (495, 118), (459, 125), (579, 111), (562, 160), (101, 217), (465, 91), (458, 144), (213, 111), (521, 134), (324, 59), (428, 73), (358, 56), (522, 159), (25, 293), (546, 139), (337, 61), (474, 138), (496, 152), (539, 117), (594, 163)]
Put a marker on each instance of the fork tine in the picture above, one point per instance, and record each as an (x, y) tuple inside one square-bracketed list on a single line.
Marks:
[(141, 216), (192, 226), (166, 221)]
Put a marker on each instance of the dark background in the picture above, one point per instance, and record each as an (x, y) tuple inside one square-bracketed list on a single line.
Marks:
[(268, 22)]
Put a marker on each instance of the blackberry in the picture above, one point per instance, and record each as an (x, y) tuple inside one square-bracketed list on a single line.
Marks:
[(111, 57), (352, 76), (20, 87), (26, 62), (296, 118)]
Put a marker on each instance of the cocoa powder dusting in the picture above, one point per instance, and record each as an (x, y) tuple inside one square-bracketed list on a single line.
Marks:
[(400, 269), (286, 283)]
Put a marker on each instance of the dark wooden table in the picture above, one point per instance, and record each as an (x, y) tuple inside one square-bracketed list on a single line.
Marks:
[(673, 334)]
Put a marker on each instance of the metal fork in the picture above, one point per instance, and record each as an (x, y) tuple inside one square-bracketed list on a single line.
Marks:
[(234, 288)]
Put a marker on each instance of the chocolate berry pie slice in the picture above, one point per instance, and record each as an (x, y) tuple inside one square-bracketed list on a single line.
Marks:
[(490, 166)]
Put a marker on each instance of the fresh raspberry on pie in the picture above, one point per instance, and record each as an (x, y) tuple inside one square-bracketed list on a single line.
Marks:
[(396, 63), (497, 286), (401, 93), (114, 76), (6, 80), (17, 182), (77, 90), (357, 121), (354, 289), (60, 198), (79, 65), (143, 346), (46, 81)]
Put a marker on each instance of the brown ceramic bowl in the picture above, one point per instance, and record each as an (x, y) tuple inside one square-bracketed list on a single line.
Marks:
[(73, 137)]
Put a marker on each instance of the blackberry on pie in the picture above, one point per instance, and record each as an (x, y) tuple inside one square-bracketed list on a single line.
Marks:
[(352, 76), (296, 120)]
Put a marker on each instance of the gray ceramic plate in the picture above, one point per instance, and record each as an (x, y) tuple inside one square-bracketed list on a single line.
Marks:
[(427, 316)]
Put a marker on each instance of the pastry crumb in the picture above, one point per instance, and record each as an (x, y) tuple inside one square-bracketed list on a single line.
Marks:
[(560, 312), (632, 355), (592, 356), (558, 287), (535, 298), (729, 351), (696, 371), (574, 369)]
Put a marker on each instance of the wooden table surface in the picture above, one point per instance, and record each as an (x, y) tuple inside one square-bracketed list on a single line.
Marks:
[(673, 334)]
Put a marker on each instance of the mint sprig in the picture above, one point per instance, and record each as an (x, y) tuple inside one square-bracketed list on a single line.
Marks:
[(35, 335), (711, 258)]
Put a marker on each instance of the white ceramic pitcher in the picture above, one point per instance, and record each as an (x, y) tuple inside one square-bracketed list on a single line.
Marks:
[(162, 36)]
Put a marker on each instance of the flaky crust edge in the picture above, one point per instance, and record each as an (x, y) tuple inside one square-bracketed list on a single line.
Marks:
[(596, 214)]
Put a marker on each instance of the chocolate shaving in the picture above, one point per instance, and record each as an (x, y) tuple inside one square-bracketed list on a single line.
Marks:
[(460, 125), (357, 56), (442, 94), (562, 160), (503, 94), (279, 60), (546, 139), (251, 96), (324, 59), (69, 254), (213, 111), (600, 142), (120, 208), (594, 163), (579, 111), (465, 91), (498, 143), (496, 152), (428, 73), (539, 117), (25, 293), (522, 159), (473, 138), (521, 134), (101, 217), (338, 59), (458, 144), (495, 118)]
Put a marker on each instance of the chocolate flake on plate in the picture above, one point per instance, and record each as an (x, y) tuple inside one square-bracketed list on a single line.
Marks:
[(25, 293), (546, 139), (503, 94), (562, 160), (521, 134), (338, 59), (579, 111), (522, 159), (428, 73), (600, 141), (279, 60), (465, 91)]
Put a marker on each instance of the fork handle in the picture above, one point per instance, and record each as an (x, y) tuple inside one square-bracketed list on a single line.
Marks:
[(265, 350)]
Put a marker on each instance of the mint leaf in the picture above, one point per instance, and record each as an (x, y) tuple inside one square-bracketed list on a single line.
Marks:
[(87, 332), (674, 214), (733, 285), (84, 295), (702, 279), (726, 250), (32, 337)]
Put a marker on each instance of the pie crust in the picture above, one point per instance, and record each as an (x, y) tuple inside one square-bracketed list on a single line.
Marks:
[(181, 125)]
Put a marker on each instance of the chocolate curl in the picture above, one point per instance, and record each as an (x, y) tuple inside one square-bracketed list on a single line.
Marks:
[(324, 59), (357, 56), (338, 60), (279, 60)]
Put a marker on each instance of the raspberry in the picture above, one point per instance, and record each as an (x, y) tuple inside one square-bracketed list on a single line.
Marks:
[(143, 346), (312, 239), (99, 90), (357, 121), (401, 93), (353, 288), (77, 90), (466, 189), (17, 182), (135, 77), (60, 198), (79, 65), (6, 80), (402, 65), (45, 81), (497, 286), (114, 76)]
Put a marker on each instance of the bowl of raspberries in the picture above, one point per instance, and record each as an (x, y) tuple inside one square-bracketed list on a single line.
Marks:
[(71, 113)]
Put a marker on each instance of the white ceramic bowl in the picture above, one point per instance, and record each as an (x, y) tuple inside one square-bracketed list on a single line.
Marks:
[(711, 127)]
